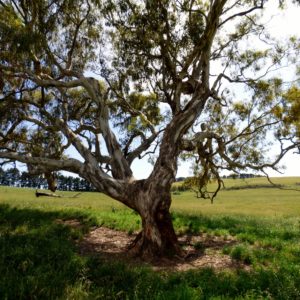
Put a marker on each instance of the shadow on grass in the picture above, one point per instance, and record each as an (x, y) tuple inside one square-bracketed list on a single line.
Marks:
[(39, 260), (37, 255)]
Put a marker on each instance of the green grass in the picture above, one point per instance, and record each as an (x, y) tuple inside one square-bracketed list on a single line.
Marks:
[(268, 202), (39, 258)]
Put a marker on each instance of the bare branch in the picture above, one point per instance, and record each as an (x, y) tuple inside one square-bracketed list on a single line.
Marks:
[(243, 13)]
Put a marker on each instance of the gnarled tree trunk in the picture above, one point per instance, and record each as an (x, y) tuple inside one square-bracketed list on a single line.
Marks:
[(157, 238)]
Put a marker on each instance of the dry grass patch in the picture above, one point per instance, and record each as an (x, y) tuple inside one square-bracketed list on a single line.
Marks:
[(202, 251)]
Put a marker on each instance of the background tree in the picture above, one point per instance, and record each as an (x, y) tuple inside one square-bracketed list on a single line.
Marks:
[(119, 80), (13, 177)]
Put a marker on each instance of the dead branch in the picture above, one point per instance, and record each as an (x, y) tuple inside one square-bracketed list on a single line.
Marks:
[(45, 194)]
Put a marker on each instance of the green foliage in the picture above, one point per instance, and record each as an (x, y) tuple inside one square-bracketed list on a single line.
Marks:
[(17, 37), (290, 112), (147, 109), (46, 143), (195, 26)]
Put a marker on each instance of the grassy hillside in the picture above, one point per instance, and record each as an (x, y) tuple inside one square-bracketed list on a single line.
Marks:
[(251, 197), (39, 258), (263, 200)]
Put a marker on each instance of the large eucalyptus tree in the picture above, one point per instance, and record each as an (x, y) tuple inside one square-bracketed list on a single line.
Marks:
[(119, 80)]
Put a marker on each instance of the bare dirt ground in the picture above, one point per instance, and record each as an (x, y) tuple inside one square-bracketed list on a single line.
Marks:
[(201, 250)]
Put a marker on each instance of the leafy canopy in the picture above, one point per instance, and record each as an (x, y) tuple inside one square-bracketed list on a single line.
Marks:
[(119, 80)]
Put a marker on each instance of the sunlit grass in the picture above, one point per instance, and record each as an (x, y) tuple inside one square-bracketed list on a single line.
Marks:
[(256, 202), (269, 202), (39, 259)]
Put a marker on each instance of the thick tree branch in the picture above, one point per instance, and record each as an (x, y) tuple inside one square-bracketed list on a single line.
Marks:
[(120, 167), (45, 164)]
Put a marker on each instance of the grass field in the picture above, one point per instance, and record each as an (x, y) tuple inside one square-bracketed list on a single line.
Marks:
[(39, 258)]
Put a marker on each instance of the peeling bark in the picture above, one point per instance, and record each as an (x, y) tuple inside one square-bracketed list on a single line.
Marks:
[(157, 238)]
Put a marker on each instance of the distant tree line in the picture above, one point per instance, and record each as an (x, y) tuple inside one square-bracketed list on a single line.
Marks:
[(14, 177), (241, 175)]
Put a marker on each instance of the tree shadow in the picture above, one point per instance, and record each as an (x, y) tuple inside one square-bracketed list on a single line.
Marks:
[(200, 251), (37, 256)]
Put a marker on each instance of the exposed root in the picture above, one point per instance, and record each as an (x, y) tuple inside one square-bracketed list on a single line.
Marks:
[(151, 252)]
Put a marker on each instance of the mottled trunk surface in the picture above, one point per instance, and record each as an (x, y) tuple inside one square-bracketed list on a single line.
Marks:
[(157, 238)]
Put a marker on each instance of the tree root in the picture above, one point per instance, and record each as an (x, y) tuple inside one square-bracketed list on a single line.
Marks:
[(149, 251)]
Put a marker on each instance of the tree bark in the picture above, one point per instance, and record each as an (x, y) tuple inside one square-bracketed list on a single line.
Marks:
[(157, 238)]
